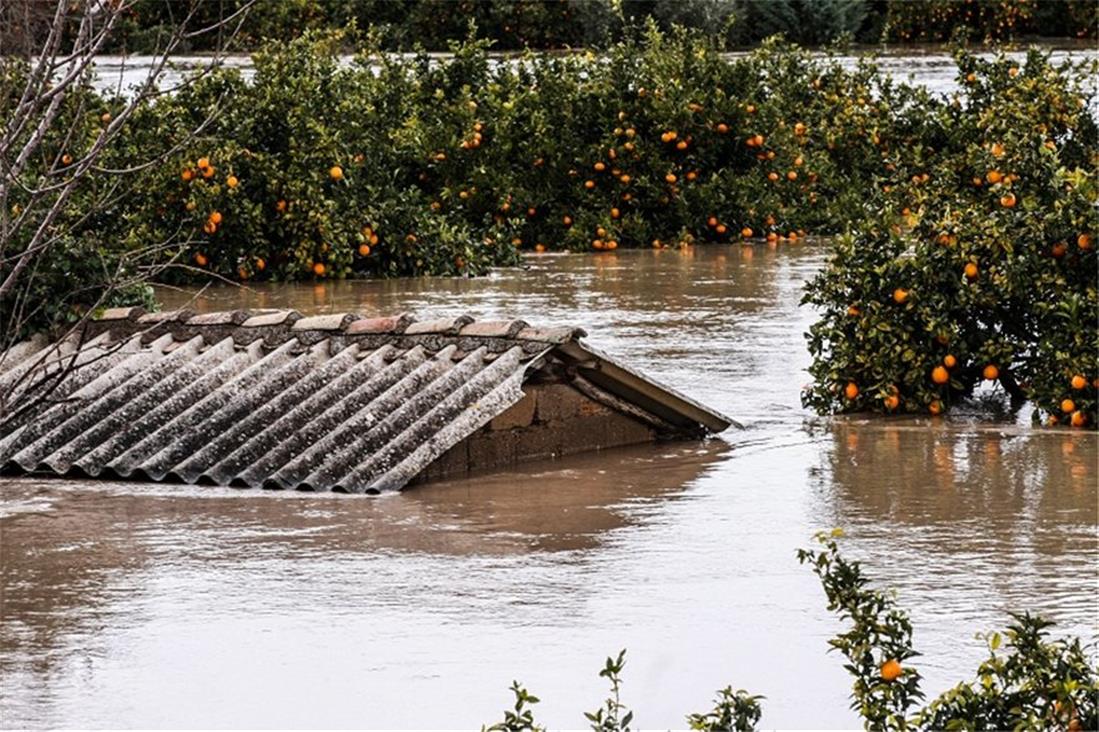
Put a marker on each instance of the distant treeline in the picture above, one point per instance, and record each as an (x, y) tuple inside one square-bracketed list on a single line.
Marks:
[(550, 24)]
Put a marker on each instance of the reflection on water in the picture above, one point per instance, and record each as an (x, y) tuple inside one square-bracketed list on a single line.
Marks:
[(123, 604)]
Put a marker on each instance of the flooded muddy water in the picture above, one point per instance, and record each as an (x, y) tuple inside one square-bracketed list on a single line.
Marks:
[(127, 604), (930, 66)]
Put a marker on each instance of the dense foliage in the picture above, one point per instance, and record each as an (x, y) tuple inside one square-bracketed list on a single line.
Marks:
[(544, 24), (1028, 681), (978, 264), (968, 249)]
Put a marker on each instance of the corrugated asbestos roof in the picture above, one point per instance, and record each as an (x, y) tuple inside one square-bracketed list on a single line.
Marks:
[(274, 399)]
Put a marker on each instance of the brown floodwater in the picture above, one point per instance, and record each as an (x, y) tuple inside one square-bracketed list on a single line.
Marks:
[(128, 604)]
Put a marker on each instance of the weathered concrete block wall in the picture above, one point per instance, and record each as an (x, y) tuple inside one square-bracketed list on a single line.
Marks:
[(552, 419)]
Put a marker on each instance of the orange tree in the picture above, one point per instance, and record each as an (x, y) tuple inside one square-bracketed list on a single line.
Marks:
[(394, 165), (977, 260)]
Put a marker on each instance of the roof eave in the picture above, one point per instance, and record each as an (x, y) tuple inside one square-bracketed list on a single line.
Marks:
[(633, 386)]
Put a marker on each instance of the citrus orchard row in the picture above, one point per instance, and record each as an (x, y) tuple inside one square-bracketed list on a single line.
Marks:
[(964, 225)]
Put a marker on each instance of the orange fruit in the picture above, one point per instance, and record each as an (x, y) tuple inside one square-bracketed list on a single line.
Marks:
[(597, 243), (670, 178), (681, 145), (746, 232), (232, 181), (792, 175), (566, 220), (261, 264), (711, 222), (1084, 241), (900, 296), (940, 375), (210, 227), (364, 250), (318, 269), (721, 228), (589, 184), (935, 407), (625, 180), (208, 172), (991, 372), (970, 271), (851, 390), (204, 162), (280, 205), (997, 149), (1068, 406), (891, 670), (201, 260), (1013, 71), (852, 310), (1079, 382), (1007, 200), (335, 173), (190, 205), (1059, 250), (187, 174), (891, 402), (539, 248), (66, 159), (773, 176), (722, 128), (949, 361), (1079, 419), (994, 176), (612, 244), (750, 109), (600, 167), (615, 213), (799, 128), (216, 217)]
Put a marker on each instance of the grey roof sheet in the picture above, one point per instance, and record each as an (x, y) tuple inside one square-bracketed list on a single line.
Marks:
[(268, 398)]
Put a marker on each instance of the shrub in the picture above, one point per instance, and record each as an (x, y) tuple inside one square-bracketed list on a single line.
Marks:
[(1040, 684)]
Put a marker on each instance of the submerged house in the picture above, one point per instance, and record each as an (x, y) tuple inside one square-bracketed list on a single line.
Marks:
[(328, 402)]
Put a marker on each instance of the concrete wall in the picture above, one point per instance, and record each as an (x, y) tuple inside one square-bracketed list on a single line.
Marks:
[(551, 420)]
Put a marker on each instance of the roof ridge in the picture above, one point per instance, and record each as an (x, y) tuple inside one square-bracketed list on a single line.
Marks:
[(248, 324)]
